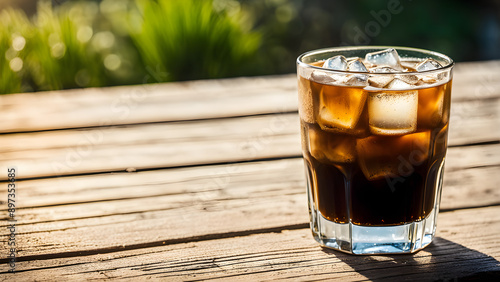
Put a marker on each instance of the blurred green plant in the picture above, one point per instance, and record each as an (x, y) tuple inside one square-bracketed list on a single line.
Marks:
[(116, 42), (189, 39), (13, 48), (90, 44), (62, 57)]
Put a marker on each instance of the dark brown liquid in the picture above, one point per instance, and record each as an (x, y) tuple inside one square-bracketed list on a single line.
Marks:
[(360, 175)]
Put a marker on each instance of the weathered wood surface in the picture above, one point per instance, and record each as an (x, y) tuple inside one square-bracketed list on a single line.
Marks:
[(458, 251), (214, 171), (149, 103), (181, 203), (79, 151), (192, 100)]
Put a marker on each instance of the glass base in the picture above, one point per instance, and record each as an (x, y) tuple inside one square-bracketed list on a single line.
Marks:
[(366, 240), (362, 240)]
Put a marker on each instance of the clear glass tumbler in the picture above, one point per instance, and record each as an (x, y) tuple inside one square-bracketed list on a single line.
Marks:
[(374, 129)]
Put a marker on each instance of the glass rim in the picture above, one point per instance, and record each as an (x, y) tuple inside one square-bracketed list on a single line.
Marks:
[(447, 67)]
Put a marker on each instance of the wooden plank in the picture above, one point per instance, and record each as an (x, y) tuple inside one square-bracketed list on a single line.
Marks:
[(148, 103), (476, 73), (466, 246), (206, 181), (473, 187), (151, 146), (458, 158), (105, 211), (474, 121), (118, 148), (188, 207), (103, 187), (191, 100)]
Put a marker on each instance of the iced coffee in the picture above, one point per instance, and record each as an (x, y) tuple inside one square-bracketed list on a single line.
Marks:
[(374, 125)]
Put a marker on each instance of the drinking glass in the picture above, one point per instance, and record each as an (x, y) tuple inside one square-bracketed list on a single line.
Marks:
[(374, 127)]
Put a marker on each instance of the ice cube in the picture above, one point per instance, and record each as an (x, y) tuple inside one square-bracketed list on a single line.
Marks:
[(336, 63), (323, 78), (356, 65), (393, 113), (356, 80), (409, 65), (430, 78), (410, 79), (388, 57), (328, 147), (432, 106), (398, 84), (380, 81), (306, 111), (428, 64), (340, 107), (383, 69), (328, 78), (383, 156)]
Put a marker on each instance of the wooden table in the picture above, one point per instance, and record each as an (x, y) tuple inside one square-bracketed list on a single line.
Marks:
[(204, 180)]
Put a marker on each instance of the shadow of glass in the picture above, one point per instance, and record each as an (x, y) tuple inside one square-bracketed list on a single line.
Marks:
[(442, 260)]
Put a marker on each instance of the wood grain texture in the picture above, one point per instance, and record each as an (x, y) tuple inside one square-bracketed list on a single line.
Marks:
[(148, 103), (146, 146), (465, 247), (150, 146), (208, 180), (191, 100), (215, 188), (91, 212)]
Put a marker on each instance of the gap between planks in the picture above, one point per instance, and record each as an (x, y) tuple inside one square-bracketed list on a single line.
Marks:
[(245, 200), (201, 238), (95, 189), (192, 100), (154, 146), (466, 244)]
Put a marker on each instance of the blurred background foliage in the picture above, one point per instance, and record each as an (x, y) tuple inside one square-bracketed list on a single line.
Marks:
[(48, 45)]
